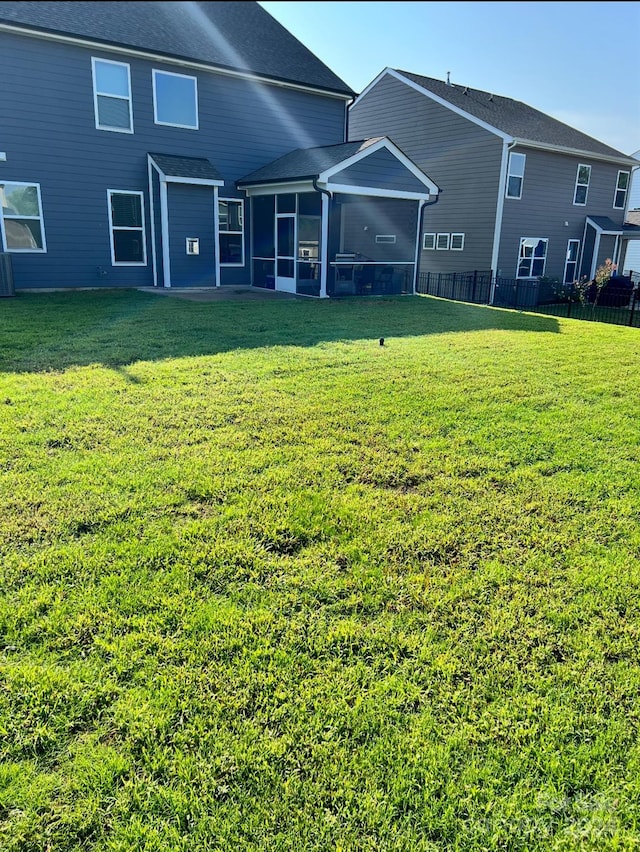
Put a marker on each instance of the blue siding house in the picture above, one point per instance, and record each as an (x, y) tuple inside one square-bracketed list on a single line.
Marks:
[(183, 144)]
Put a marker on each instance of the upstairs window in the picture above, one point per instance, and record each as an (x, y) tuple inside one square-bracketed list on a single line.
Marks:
[(112, 95), (428, 241), (622, 187), (533, 257), (583, 176), (21, 215), (175, 100), (126, 225), (515, 176), (442, 242), (231, 231), (457, 242)]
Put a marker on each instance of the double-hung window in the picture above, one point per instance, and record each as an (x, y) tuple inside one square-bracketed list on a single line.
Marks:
[(532, 257), (571, 261), (112, 95), (583, 176), (175, 100), (21, 217), (622, 187), (515, 175), (231, 231), (126, 226)]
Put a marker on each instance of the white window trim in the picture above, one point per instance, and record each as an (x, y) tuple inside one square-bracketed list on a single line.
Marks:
[(129, 99), (388, 239), (509, 174), (544, 266), (567, 261), (229, 265), (157, 71), (617, 189), (39, 218), (439, 247), (576, 185), (111, 192), (451, 242), (425, 247)]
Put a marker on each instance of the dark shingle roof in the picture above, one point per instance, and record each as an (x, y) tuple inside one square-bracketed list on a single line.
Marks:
[(514, 118), (235, 35), (186, 167), (606, 224), (305, 163)]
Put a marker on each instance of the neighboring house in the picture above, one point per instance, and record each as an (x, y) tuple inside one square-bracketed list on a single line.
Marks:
[(632, 257), (128, 130), (522, 194)]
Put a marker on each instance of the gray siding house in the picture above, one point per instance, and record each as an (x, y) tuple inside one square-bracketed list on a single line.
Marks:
[(145, 144), (522, 194)]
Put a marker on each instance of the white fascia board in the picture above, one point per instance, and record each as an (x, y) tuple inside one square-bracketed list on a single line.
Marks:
[(373, 191), (169, 60), (277, 188), (194, 181), (418, 88), (386, 143), (576, 152)]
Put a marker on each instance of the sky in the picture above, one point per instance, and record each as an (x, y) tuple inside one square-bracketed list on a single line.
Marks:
[(578, 61)]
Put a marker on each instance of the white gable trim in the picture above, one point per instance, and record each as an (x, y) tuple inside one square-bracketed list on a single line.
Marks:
[(373, 191), (387, 144), (418, 88)]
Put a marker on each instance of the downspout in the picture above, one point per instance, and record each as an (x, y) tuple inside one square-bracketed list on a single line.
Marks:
[(421, 206), (497, 233), (324, 238)]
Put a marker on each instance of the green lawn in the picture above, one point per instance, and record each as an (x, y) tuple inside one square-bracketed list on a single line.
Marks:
[(268, 585)]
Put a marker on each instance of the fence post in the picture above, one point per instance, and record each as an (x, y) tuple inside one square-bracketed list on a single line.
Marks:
[(475, 281), (438, 284), (633, 306), (571, 293)]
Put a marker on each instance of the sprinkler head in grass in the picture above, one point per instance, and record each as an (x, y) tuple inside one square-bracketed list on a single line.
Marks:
[(382, 341)]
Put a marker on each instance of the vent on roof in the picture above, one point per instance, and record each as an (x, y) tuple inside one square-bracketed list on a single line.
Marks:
[(490, 97), (448, 78), (466, 90)]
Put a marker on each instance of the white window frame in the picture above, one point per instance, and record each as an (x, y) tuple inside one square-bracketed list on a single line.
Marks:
[(96, 93), (544, 265), (241, 233), (625, 191), (143, 229), (458, 248), (575, 188), (39, 218), (567, 261), (432, 247), (438, 246), (511, 174), (195, 126)]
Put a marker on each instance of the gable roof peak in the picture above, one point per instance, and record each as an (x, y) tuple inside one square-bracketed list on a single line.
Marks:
[(514, 118)]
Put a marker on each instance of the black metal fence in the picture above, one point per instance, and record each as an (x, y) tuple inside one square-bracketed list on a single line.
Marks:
[(617, 302)]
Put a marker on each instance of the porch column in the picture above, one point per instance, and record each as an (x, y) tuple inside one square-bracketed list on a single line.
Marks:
[(216, 231), (418, 246), (164, 227), (324, 241)]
